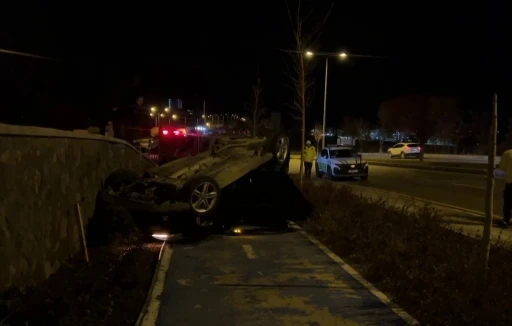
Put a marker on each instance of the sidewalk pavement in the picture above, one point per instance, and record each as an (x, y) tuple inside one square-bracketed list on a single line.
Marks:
[(268, 279)]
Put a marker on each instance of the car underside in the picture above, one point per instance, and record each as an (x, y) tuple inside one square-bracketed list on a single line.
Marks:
[(187, 190)]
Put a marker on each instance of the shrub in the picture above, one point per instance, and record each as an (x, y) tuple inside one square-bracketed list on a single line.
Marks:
[(423, 264)]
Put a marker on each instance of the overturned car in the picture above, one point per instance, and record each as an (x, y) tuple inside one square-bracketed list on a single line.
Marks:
[(193, 184)]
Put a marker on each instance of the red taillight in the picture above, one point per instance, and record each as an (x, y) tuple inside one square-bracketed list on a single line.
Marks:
[(180, 132), (165, 132)]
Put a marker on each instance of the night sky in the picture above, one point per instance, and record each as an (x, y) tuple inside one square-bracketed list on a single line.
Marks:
[(109, 54)]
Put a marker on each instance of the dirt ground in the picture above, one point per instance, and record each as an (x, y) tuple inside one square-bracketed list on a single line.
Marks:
[(111, 290)]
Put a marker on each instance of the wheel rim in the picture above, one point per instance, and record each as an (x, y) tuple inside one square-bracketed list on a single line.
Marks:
[(203, 197), (281, 149)]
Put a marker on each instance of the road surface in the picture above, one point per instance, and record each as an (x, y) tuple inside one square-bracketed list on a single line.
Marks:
[(457, 189), (265, 279)]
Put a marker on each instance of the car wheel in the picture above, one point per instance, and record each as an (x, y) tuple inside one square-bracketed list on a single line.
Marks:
[(402, 155), (317, 171), (279, 146), (119, 179), (202, 195), (329, 173), (389, 155)]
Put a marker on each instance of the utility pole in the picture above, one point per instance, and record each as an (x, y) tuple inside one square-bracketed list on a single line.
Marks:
[(170, 112), (325, 100), (489, 198), (204, 111)]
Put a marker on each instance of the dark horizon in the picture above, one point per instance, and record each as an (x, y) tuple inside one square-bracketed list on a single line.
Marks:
[(212, 53)]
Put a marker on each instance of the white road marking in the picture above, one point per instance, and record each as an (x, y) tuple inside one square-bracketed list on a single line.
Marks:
[(150, 314), (448, 206), (249, 252), (347, 268), (469, 186)]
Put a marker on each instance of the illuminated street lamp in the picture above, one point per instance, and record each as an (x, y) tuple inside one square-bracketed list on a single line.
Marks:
[(166, 109), (208, 124), (342, 56), (162, 115), (174, 117), (153, 109)]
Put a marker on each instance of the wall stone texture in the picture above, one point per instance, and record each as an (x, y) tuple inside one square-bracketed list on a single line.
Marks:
[(41, 181)]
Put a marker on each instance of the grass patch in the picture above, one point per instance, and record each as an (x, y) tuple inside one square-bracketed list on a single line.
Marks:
[(425, 266)]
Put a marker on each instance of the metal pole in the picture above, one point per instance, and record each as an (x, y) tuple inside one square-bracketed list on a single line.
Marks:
[(204, 111), (325, 100), (489, 198)]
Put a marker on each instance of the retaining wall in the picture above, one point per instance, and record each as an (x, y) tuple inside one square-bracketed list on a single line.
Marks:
[(44, 173)]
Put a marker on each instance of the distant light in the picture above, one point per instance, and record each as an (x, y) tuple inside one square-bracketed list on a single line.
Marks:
[(166, 109), (165, 132), (161, 236), (151, 114), (174, 116), (162, 115), (343, 55), (237, 230), (203, 116), (153, 109), (309, 54)]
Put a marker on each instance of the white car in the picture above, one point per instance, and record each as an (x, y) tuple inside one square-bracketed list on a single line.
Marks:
[(339, 161), (405, 150)]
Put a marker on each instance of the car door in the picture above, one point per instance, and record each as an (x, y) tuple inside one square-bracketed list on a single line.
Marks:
[(322, 160), (395, 150)]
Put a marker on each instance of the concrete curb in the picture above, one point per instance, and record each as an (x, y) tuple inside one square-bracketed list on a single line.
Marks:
[(430, 167), (361, 280), (149, 312)]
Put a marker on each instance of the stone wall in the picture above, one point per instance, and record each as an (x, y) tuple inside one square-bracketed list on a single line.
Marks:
[(44, 173)]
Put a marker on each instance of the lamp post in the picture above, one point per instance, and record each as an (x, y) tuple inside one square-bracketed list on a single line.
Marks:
[(341, 56)]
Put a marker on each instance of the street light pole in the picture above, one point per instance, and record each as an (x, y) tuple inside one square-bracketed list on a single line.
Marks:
[(325, 100)]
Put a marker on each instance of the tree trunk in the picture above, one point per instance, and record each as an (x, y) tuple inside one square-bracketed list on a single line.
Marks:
[(303, 107), (489, 198)]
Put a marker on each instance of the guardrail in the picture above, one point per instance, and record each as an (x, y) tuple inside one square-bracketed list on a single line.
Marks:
[(440, 157), (449, 157)]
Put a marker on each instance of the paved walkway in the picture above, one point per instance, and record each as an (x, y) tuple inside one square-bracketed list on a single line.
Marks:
[(265, 279)]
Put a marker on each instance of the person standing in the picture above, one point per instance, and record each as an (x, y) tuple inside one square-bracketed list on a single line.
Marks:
[(309, 156), (506, 166)]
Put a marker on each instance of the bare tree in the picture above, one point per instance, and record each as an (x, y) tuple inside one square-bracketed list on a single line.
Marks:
[(297, 70), (255, 108), (318, 133)]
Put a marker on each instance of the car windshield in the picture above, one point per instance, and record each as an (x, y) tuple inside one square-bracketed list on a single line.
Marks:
[(338, 153)]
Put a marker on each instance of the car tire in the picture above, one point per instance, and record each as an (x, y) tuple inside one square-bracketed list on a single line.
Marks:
[(317, 171), (402, 155), (120, 178), (329, 173), (279, 146), (389, 155), (202, 194)]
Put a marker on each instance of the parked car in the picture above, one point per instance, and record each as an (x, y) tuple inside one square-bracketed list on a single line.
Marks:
[(339, 162)]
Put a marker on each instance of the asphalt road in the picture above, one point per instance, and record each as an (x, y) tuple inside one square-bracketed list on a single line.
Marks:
[(436, 162), (264, 279), (457, 189)]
